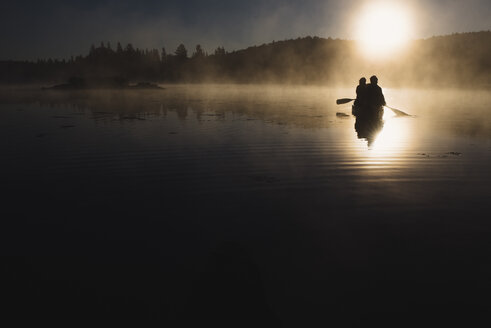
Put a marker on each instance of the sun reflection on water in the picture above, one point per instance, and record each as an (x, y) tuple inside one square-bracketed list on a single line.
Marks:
[(392, 137)]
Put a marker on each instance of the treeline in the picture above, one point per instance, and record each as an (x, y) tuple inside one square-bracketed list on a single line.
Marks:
[(458, 59)]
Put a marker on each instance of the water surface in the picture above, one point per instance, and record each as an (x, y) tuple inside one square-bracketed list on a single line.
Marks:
[(219, 200)]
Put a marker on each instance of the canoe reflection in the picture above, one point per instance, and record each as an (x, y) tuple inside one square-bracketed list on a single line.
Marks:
[(368, 128)]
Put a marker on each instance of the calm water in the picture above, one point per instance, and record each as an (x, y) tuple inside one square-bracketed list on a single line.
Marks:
[(246, 204)]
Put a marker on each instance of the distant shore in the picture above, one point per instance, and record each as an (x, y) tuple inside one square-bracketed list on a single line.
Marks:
[(77, 83), (458, 60)]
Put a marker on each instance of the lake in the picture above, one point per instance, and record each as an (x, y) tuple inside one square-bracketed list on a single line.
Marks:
[(245, 205)]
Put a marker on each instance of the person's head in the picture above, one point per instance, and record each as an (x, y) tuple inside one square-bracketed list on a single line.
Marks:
[(363, 81), (373, 79)]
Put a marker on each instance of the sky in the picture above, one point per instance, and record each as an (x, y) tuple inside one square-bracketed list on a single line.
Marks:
[(59, 29)]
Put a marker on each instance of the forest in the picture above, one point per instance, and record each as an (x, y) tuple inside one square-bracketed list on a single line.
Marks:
[(462, 60)]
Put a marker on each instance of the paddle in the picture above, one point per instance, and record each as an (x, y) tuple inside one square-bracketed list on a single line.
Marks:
[(395, 110), (343, 101)]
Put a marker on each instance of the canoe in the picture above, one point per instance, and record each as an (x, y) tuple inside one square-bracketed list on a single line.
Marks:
[(367, 112)]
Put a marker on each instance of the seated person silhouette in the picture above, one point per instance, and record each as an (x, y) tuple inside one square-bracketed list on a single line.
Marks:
[(374, 98), (360, 92)]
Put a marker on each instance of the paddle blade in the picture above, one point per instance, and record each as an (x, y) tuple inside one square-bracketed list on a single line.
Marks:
[(343, 101), (397, 111)]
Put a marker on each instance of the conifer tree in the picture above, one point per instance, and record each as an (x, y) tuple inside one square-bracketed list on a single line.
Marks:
[(181, 52), (163, 55), (198, 53)]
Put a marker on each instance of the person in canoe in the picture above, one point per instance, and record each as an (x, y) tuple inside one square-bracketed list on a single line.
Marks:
[(369, 110), (375, 99), (369, 100), (360, 92)]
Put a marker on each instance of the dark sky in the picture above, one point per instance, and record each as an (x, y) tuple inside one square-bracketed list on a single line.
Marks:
[(31, 29)]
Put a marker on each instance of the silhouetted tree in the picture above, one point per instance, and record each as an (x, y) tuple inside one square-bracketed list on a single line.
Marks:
[(220, 51), (181, 52), (163, 55), (308, 59), (129, 49), (199, 53)]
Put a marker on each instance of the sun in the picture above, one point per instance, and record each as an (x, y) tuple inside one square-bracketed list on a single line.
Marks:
[(383, 28)]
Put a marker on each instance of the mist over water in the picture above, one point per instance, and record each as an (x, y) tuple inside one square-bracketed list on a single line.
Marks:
[(163, 189)]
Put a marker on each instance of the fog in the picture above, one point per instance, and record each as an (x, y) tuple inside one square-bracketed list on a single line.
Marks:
[(455, 111)]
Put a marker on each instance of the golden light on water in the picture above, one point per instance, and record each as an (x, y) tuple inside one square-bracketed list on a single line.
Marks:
[(383, 28), (393, 135)]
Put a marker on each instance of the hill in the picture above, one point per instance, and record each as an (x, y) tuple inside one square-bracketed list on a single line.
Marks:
[(451, 60)]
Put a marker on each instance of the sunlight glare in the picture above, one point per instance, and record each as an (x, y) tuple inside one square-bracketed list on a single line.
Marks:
[(383, 28), (393, 135)]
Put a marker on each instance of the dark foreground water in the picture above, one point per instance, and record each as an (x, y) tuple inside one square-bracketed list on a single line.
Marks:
[(244, 206)]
